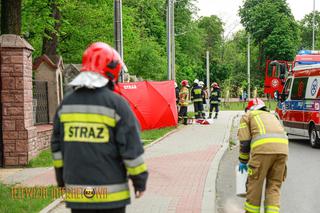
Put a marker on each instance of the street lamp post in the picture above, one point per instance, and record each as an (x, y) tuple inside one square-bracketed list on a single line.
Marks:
[(248, 58), (173, 52), (118, 35), (313, 23), (169, 38)]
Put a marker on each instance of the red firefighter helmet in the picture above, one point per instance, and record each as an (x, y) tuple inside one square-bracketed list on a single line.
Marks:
[(99, 57), (255, 104), (184, 83), (215, 85)]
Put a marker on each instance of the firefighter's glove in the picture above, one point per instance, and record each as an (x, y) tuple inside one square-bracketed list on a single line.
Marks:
[(243, 167)]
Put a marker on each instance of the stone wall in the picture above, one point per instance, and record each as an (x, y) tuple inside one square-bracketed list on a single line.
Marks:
[(44, 133)]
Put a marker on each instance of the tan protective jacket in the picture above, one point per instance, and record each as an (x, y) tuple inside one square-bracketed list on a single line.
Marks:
[(184, 96), (260, 132)]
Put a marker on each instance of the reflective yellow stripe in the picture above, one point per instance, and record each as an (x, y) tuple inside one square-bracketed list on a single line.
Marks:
[(251, 208), (272, 209), (262, 125), (137, 170), (197, 100), (97, 198), (269, 140), (244, 156), (243, 125), (58, 163), (250, 171), (89, 118)]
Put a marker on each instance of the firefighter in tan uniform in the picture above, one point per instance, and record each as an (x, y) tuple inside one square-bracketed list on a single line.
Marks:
[(264, 147), (183, 101)]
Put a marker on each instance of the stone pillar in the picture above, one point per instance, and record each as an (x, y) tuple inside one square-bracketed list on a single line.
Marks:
[(16, 97)]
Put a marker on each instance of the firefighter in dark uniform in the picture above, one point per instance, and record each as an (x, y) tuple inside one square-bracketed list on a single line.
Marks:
[(177, 91), (196, 97), (95, 144), (215, 99)]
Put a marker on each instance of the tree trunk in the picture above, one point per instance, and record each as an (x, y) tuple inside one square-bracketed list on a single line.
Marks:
[(50, 41), (11, 17)]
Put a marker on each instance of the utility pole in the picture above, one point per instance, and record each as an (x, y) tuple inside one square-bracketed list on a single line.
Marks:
[(169, 39), (208, 79), (248, 58), (173, 51), (118, 31), (313, 23)]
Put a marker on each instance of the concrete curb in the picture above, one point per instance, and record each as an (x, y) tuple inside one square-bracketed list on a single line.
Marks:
[(52, 205), (209, 193), (57, 202)]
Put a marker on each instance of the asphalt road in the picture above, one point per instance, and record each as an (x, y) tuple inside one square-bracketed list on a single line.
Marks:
[(300, 192)]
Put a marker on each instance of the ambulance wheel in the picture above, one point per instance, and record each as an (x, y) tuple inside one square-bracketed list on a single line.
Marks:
[(314, 138)]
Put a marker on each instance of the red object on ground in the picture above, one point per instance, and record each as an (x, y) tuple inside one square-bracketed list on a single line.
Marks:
[(154, 103)]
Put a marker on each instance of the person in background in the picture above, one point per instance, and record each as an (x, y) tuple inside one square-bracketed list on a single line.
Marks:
[(95, 143), (177, 90), (214, 99), (204, 98), (184, 102), (245, 96), (196, 97)]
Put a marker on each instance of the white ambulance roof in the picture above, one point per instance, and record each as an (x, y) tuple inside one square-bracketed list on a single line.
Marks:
[(306, 67)]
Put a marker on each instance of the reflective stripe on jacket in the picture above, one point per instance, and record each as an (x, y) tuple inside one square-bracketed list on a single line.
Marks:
[(260, 132), (196, 94)]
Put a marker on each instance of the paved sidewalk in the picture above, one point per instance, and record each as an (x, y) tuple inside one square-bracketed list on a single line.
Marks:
[(28, 177), (179, 166)]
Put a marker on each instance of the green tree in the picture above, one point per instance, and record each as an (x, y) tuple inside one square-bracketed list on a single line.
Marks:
[(272, 25), (306, 29), (213, 29)]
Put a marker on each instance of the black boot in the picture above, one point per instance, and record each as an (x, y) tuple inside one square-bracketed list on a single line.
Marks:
[(185, 121), (216, 116), (210, 114)]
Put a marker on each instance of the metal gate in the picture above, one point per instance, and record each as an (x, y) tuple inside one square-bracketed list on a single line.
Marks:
[(1, 139), (40, 102)]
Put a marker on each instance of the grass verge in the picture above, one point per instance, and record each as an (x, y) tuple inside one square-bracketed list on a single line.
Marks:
[(44, 159), (148, 136), (24, 200), (241, 105)]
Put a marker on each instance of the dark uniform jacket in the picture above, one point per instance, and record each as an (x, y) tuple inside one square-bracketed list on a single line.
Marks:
[(196, 93), (215, 96), (96, 146), (177, 90)]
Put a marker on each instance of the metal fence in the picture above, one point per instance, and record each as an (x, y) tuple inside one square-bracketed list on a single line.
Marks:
[(40, 102)]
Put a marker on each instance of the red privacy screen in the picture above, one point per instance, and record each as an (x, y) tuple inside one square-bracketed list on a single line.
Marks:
[(154, 103)]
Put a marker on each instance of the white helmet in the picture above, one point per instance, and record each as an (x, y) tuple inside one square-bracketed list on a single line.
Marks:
[(201, 83), (175, 84), (196, 81)]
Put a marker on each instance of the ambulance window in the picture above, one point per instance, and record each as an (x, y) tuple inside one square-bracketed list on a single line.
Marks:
[(299, 88), (287, 87)]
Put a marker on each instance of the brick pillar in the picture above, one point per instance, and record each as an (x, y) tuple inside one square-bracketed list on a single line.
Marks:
[(16, 96)]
